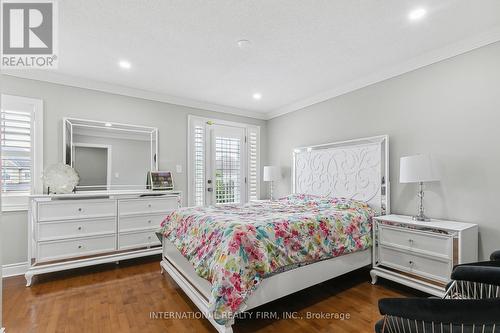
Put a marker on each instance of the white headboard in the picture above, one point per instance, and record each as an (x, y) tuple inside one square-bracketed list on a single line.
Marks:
[(357, 169)]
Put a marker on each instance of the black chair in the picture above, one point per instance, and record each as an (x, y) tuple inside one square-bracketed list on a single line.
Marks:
[(471, 304), (476, 280), (433, 315)]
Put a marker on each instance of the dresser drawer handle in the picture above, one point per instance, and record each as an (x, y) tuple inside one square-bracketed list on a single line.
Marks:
[(149, 205), (411, 263), (149, 237), (149, 221), (79, 209), (79, 228), (80, 246), (410, 240)]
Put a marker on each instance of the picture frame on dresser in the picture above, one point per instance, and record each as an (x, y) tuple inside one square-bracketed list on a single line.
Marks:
[(160, 180), (421, 254)]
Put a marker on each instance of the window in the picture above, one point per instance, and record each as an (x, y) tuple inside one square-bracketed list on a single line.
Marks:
[(21, 124), (227, 170), (223, 162)]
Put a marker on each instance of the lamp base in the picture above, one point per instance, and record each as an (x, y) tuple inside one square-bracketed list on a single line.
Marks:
[(420, 218)]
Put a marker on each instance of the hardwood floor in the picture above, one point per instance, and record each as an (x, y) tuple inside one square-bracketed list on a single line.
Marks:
[(120, 298)]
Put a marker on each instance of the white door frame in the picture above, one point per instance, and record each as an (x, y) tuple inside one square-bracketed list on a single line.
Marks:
[(212, 121), (109, 161)]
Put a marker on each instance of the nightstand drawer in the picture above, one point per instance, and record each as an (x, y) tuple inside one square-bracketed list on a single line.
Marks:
[(433, 269), (436, 244)]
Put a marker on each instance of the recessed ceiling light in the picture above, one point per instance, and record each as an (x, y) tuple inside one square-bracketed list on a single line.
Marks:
[(257, 96), (108, 124), (417, 14), (125, 64), (243, 43)]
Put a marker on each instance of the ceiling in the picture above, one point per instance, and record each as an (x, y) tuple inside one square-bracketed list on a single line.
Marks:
[(301, 51)]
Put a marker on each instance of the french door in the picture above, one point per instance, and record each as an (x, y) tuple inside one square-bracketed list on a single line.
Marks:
[(226, 167), (223, 162)]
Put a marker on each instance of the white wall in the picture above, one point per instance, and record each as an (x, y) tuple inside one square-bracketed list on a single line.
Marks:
[(64, 101), (450, 109)]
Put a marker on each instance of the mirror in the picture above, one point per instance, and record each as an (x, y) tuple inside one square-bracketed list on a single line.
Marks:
[(109, 156)]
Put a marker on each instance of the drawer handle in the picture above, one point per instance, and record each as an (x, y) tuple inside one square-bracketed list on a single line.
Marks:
[(79, 209), (149, 205), (80, 246), (80, 228), (149, 221), (411, 263), (410, 240), (149, 237)]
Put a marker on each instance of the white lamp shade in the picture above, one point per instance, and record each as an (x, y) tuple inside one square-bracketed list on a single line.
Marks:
[(271, 173), (417, 168)]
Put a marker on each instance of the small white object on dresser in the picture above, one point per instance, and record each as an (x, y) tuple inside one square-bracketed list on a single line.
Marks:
[(419, 254), (75, 230)]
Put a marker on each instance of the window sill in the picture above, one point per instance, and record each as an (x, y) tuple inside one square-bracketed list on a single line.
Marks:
[(14, 208)]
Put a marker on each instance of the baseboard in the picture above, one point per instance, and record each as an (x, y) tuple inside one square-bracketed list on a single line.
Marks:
[(14, 270)]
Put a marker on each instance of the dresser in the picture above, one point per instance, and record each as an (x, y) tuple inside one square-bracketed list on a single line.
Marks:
[(75, 230), (421, 255)]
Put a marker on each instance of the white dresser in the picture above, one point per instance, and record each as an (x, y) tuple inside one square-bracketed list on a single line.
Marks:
[(421, 255), (75, 230)]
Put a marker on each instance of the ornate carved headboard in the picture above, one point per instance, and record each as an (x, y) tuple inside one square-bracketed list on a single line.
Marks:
[(356, 169)]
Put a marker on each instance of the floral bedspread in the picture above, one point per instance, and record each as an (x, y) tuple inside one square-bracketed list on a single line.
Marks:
[(235, 247)]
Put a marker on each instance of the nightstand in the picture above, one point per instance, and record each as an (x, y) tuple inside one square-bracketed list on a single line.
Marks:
[(421, 255)]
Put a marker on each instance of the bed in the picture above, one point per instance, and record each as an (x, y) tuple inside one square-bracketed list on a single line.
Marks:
[(234, 258)]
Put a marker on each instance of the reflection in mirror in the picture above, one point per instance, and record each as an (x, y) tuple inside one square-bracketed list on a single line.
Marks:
[(110, 156)]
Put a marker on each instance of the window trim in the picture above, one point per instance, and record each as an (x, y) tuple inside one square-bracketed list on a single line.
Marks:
[(197, 119), (36, 154)]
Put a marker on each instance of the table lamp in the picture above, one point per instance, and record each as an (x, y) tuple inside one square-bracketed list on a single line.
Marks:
[(270, 174), (418, 169)]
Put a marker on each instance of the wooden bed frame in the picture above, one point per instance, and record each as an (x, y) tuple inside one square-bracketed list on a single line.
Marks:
[(356, 169)]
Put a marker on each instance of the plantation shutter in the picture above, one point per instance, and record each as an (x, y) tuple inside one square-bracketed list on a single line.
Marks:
[(253, 177), (16, 151), (197, 168)]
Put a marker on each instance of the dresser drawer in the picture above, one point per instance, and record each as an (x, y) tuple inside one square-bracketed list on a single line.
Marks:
[(75, 209), (75, 247), (137, 239), (417, 241), (419, 265), (147, 205), (75, 228), (138, 222)]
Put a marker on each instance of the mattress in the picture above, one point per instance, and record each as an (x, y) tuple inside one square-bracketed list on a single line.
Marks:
[(235, 247)]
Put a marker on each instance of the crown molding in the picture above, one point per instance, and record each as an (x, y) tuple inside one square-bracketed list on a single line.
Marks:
[(429, 58), (73, 81)]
